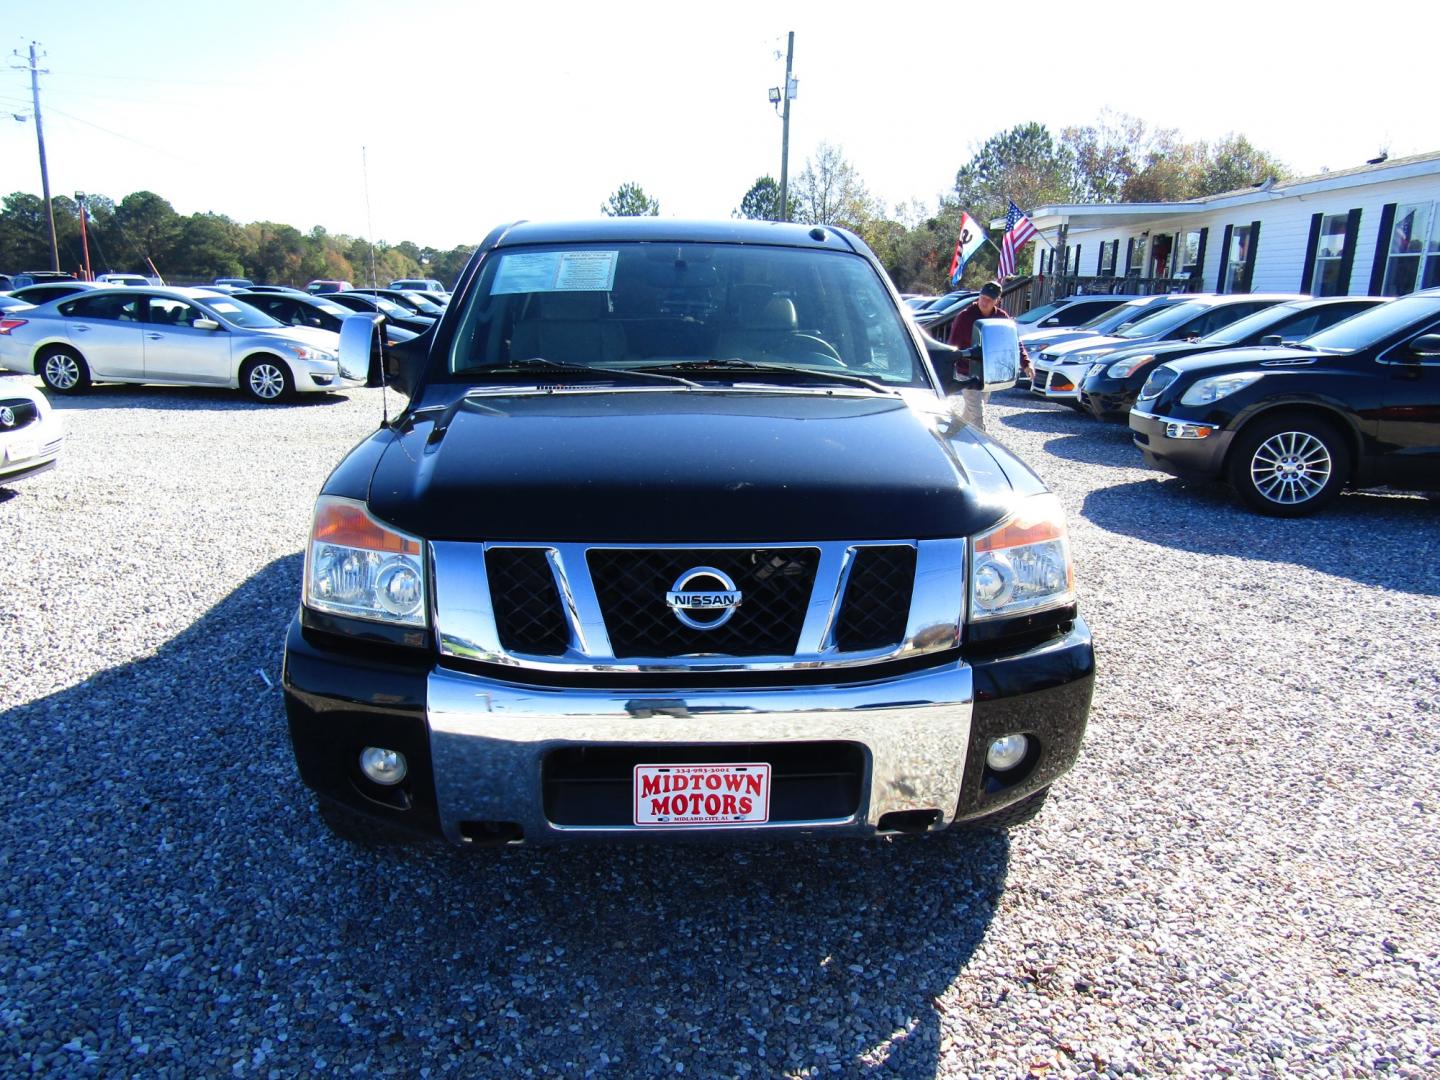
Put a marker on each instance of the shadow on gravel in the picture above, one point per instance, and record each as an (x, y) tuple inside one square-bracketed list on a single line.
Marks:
[(173, 905), (1374, 538), (192, 398)]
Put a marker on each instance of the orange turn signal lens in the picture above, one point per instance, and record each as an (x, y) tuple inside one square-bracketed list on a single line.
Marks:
[(345, 522), (1038, 518)]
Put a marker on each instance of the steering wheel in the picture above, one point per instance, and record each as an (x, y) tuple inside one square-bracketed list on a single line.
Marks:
[(803, 347)]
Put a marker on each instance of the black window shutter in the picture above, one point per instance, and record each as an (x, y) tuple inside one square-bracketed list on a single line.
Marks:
[(1347, 261), (1100, 258), (1311, 247), (1077, 259), (1250, 251), (1221, 285), (1200, 258), (1129, 255), (1114, 255), (1382, 248)]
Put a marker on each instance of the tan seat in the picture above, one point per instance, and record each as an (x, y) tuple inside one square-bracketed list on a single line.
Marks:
[(570, 328), (765, 328)]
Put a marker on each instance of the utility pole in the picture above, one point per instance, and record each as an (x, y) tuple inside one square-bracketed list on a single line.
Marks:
[(84, 235), (35, 74), (789, 92)]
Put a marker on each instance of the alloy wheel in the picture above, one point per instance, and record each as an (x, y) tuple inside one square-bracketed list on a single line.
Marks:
[(267, 381), (62, 372), (1291, 467)]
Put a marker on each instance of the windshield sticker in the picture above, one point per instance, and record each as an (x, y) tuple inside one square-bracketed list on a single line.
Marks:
[(224, 307), (556, 271)]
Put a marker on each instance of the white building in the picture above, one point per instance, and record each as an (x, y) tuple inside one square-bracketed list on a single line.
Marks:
[(1372, 230)]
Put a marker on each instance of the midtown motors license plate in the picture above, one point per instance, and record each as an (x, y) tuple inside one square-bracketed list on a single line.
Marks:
[(702, 794)]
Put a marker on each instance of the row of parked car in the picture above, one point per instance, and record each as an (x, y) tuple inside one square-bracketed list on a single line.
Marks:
[(268, 341), (1287, 398)]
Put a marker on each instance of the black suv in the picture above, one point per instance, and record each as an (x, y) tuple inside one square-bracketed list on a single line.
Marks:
[(676, 535), (1357, 404)]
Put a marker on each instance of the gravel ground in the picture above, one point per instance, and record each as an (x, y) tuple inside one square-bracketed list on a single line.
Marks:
[(1238, 879)]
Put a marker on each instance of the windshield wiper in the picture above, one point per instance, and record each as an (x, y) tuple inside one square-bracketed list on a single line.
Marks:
[(540, 363), (737, 364)]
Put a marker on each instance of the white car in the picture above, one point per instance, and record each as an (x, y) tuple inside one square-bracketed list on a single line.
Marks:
[(30, 432), (182, 337)]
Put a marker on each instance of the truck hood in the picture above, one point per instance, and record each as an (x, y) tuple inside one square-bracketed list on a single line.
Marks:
[(631, 466)]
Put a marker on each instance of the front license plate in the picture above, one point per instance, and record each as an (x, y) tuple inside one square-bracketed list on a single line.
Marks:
[(20, 449), (716, 795)]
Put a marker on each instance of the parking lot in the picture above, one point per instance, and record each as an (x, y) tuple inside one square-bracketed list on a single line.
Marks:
[(1238, 878)]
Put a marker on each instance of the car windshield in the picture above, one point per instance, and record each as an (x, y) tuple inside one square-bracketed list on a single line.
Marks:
[(427, 306), (1034, 315), (389, 307), (1251, 325), (1124, 315), (1375, 324), (1162, 321), (238, 313), (646, 305)]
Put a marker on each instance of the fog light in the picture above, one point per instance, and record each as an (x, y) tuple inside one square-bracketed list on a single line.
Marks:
[(1188, 431), (1008, 752), (386, 766)]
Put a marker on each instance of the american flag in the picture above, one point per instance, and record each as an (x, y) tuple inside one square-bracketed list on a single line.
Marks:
[(1018, 230)]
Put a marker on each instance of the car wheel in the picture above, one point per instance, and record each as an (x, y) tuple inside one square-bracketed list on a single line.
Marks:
[(266, 379), (1289, 466), (65, 372), (1014, 814)]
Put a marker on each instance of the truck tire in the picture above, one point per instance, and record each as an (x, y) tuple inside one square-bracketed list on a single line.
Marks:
[(1290, 464), (1014, 814)]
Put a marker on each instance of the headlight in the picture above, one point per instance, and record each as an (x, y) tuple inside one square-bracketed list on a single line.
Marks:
[(1022, 564), (310, 352), (1159, 379), (1217, 386), (1123, 369), (362, 568)]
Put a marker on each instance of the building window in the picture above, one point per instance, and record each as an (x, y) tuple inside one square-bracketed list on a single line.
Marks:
[(1329, 254), (1233, 272), (1414, 261), (1107, 258), (1190, 254)]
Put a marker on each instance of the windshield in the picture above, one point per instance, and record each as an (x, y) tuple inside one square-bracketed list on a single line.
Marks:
[(639, 305), (238, 313), (1162, 321), (1376, 324), (332, 308), (1123, 315), (427, 306), (1251, 325), (1034, 315)]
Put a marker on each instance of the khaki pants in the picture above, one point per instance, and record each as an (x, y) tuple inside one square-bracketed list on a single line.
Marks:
[(973, 407)]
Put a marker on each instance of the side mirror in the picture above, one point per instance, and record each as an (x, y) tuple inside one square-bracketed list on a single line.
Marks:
[(999, 353), (1272, 339), (1426, 345), (1051, 322), (357, 334), (205, 324)]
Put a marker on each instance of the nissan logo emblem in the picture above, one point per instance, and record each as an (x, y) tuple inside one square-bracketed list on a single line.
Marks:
[(696, 590)]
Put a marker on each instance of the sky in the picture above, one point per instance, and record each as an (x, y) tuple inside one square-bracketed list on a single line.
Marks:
[(459, 116)]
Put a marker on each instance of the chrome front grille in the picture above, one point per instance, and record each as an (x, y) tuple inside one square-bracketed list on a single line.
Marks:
[(603, 608)]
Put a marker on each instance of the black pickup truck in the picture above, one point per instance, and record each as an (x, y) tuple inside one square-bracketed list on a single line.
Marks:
[(678, 536)]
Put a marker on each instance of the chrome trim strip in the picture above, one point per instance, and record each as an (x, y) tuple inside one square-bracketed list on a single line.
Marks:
[(488, 739), (464, 615)]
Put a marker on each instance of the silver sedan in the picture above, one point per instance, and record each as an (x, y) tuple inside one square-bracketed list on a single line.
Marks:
[(183, 337)]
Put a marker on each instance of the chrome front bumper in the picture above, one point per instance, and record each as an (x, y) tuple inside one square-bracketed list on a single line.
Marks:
[(488, 740)]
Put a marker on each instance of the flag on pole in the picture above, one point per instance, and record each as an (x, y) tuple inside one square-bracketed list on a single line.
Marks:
[(971, 238), (1018, 230)]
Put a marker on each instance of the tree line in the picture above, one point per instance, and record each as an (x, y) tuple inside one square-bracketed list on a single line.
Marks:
[(1116, 159), (144, 230)]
